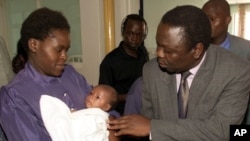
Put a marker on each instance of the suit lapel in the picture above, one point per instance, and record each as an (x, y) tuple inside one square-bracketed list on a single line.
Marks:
[(168, 96), (199, 86)]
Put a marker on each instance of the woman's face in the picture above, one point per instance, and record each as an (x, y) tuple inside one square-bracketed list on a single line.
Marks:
[(49, 56)]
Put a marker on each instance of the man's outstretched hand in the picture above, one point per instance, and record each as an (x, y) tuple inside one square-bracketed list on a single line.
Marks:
[(135, 125)]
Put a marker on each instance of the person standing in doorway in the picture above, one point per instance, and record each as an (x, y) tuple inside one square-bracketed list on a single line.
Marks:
[(123, 65)]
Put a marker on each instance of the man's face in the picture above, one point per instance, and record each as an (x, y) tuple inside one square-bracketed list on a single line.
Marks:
[(172, 53), (134, 34), (49, 56), (219, 21)]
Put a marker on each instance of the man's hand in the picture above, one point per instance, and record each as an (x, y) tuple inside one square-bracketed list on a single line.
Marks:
[(135, 125)]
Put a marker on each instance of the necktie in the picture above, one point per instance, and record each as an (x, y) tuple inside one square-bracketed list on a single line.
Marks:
[(183, 93)]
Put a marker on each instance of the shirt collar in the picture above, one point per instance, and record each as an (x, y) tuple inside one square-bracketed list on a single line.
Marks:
[(30, 70), (193, 70), (197, 67)]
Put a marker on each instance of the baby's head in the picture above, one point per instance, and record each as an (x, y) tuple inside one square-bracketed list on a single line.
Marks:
[(102, 96)]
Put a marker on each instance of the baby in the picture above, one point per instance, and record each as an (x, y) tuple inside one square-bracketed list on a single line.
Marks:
[(102, 96), (88, 124)]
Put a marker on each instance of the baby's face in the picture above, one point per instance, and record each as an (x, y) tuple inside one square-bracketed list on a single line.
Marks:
[(98, 98)]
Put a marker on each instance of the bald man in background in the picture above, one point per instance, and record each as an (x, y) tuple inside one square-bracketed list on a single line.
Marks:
[(219, 15)]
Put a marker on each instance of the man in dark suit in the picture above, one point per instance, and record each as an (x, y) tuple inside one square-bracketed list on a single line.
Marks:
[(218, 12), (219, 84)]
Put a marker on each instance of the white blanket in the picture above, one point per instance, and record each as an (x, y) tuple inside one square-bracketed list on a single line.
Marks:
[(82, 125)]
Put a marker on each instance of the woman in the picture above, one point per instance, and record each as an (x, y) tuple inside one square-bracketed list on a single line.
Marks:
[(45, 37)]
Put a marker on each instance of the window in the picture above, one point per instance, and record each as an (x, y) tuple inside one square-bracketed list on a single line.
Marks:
[(17, 10), (240, 24)]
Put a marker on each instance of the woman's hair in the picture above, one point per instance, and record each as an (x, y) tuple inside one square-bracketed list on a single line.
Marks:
[(38, 25), (20, 59)]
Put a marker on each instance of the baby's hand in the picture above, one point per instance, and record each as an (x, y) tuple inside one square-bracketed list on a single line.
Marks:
[(72, 110)]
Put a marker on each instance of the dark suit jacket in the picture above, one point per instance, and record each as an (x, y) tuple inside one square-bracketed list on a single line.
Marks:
[(218, 97)]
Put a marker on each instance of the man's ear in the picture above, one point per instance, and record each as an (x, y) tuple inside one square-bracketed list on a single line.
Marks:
[(198, 50), (228, 19), (33, 44)]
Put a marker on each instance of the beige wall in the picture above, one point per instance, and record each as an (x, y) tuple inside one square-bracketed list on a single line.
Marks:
[(154, 10), (3, 24)]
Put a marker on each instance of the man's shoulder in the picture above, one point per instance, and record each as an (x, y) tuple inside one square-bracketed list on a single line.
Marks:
[(113, 56), (151, 66), (240, 47), (116, 52), (224, 57), (151, 62), (238, 41)]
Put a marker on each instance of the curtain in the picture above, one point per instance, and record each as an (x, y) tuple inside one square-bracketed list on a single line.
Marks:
[(240, 20)]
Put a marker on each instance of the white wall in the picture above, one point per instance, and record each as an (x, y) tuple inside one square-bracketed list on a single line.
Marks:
[(238, 1), (154, 10), (92, 38), (3, 24)]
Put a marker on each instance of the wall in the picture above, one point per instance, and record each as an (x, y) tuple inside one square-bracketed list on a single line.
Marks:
[(154, 10), (3, 31)]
